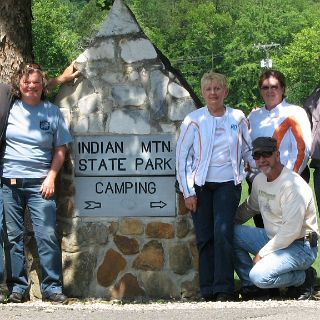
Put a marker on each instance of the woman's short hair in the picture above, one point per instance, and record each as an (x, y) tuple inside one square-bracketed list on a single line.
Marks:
[(210, 76), (273, 73), (25, 70)]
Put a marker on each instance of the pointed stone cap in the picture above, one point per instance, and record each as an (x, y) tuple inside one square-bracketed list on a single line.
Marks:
[(120, 21), (127, 86)]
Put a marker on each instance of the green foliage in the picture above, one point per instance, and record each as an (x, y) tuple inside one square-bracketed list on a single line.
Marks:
[(223, 35), (269, 22), (198, 35), (54, 41), (186, 33), (93, 14), (61, 29), (301, 63)]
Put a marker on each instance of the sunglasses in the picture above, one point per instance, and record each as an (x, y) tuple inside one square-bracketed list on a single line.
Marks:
[(265, 88), (32, 66), (263, 154)]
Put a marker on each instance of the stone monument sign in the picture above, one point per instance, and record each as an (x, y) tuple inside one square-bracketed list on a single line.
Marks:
[(125, 233), (132, 173)]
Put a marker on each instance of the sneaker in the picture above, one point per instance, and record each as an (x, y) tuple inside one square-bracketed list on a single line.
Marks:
[(16, 297), (254, 293), (306, 290), (2, 298), (57, 298)]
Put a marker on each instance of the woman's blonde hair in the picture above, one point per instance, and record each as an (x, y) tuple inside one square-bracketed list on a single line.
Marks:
[(214, 76)]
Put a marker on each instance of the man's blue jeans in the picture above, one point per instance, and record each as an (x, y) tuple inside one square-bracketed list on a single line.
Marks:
[(279, 269), (18, 197), (213, 224)]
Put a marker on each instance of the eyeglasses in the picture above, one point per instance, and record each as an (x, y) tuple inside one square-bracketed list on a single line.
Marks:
[(32, 66), (273, 88), (263, 154)]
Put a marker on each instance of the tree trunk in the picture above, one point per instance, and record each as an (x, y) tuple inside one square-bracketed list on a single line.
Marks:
[(15, 36)]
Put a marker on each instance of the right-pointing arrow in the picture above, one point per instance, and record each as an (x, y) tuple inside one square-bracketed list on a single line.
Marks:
[(159, 204), (92, 205)]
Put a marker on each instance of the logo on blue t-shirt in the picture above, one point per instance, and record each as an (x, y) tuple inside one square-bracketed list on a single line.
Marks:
[(234, 127), (44, 125)]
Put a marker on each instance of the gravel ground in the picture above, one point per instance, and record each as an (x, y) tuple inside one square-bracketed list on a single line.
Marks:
[(96, 309)]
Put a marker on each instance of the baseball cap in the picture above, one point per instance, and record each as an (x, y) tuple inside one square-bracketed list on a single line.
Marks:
[(261, 144)]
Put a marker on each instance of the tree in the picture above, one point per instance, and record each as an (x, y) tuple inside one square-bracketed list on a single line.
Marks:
[(301, 63), (197, 35), (55, 41), (15, 36), (62, 29), (267, 22)]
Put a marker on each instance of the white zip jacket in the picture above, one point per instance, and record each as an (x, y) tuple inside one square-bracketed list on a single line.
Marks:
[(195, 145), (290, 126)]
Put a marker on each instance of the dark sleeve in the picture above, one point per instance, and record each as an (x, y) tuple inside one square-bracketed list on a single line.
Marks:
[(311, 104), (5, 104)]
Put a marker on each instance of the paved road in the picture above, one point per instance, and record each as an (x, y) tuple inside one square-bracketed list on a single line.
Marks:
[(268, 310)]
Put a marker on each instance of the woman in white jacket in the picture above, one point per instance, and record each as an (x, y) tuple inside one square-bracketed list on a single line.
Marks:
[(213, 144)]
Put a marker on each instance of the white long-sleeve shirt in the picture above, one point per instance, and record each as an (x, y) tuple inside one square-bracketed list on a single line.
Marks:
[(287, 208)]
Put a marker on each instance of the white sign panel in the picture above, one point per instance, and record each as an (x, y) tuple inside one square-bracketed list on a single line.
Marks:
[(125, 155), (125, 196)]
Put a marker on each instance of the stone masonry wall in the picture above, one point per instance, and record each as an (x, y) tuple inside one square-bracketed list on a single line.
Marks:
[(127, 87), (131, 258)]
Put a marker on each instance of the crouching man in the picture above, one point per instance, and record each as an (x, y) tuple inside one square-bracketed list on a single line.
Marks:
[(287, 246)]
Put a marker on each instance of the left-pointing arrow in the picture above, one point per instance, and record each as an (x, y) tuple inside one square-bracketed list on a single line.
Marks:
[(92, 205)]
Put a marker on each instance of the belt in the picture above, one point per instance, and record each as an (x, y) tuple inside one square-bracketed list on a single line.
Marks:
[(311, 237), (20, 181)]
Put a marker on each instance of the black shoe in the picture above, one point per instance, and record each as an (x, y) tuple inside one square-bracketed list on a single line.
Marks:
[(224, 297), (292, 293), (16, 297), (254, 293), (57, 298), (274, 292), (306, 290), (208, 297)]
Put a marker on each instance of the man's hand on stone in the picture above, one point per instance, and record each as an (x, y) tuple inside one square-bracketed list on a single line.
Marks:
[(69, 74)]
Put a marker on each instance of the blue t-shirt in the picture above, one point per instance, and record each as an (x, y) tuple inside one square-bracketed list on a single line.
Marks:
[(32, 134)]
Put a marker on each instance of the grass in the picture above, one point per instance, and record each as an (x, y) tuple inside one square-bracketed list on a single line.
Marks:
[(244, 195)]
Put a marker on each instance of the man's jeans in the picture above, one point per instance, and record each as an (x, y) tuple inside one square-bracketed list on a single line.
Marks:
[(25, 193), (279, 269), (213, 223)]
